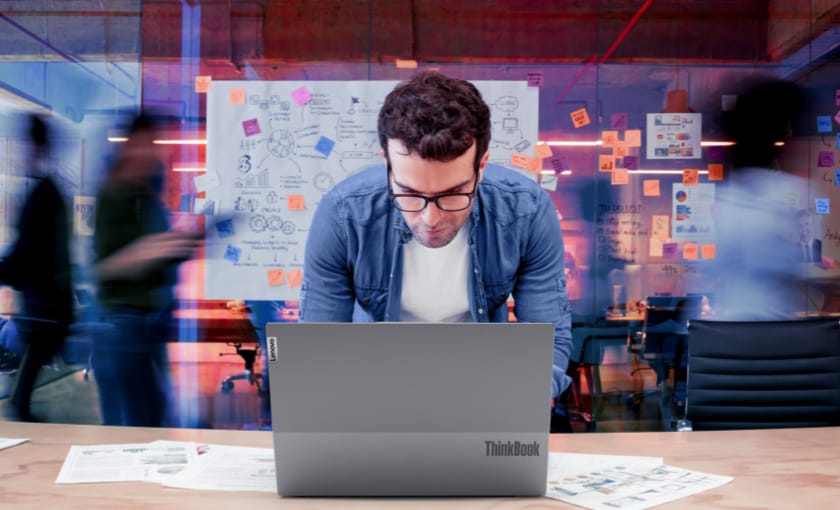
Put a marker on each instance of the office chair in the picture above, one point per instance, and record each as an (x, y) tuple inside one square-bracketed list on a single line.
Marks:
[(745, 375), (253, 377)]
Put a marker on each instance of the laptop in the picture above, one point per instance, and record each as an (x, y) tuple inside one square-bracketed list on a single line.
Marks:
[(410, 409)]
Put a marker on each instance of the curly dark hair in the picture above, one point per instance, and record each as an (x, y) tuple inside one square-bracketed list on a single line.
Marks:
[(436, 117)]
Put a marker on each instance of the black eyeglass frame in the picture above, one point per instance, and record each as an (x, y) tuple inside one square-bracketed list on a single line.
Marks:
[(435, 198)]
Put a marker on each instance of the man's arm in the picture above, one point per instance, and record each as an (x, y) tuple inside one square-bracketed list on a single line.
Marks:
[(327, 293), (540, 294)]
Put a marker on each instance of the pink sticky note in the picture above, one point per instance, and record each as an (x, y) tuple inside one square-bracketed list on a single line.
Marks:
[(837, 117), (708, 251), (618, 121), (534, 165), (580, 118), (690, 177), (609, 138), (690, 251), (837, 97), (202, 84), (295, 202), (620, 149), (301, 96), (670, 250), (275, 277), (535, 79), (237, 96), (606, 163), (633, 137), (519, 160), (543, 150), (619, 176), (715, 171), (294, 277), (650, 187), (251, 127), (826, 159)]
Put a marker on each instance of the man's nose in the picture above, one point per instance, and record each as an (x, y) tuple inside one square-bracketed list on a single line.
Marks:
[(431, 214)]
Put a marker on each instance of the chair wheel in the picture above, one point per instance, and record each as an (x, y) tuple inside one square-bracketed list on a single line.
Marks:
[(227, 386)]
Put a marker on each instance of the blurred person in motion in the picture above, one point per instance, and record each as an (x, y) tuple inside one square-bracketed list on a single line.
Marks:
[(136, 260), (38, 266), (759, 261)]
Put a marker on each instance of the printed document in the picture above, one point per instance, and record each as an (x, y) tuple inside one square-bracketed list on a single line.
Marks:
[(6, 442), (228, 468), (144, 462)]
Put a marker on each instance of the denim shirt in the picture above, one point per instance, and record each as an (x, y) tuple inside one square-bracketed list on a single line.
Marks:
[(353, 258)]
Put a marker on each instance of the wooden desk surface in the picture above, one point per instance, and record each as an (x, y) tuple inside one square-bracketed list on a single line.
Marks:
[(794, 468)]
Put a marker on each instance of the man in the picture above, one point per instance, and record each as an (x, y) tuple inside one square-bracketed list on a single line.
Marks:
[(437, 234)]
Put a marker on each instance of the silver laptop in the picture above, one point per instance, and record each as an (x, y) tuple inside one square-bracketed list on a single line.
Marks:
[(409, 409)]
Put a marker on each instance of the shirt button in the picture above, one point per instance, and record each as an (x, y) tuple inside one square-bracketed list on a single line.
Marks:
[(481, 311), (475, 270)]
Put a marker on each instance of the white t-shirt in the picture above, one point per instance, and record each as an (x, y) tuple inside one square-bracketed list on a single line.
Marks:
[(434, 282)]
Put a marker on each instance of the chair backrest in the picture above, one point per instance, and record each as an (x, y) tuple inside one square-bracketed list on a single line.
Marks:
[(744, 375), (588, 343)]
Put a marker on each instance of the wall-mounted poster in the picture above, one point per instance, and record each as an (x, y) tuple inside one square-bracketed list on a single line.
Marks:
[(674, 135), (691, 217)]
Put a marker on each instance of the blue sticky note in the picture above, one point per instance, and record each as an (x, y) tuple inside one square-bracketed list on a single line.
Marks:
[(824, 124), (325, 145), (822, 206), (631, 162), (187, 201), (837, 144), (225, 228), (837, 177), (232, 253)]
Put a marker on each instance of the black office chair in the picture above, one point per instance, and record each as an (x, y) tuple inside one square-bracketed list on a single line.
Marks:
[(745, 375)]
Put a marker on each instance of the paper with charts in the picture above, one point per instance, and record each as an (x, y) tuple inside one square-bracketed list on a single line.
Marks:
[(275, 147), (617, 482)]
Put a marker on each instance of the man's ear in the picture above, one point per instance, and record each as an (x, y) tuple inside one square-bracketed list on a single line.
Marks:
[(382, 155), (481, 164)]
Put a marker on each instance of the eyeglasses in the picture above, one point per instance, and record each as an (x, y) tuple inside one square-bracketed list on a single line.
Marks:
[(450, 202)]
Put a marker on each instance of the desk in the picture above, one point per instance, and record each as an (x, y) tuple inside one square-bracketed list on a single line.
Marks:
[(217, 325), (794, 468)]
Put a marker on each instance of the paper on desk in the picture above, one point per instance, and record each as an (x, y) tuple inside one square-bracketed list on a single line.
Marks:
[(610, 482), (6, 442), (141, 462), (229, 468)]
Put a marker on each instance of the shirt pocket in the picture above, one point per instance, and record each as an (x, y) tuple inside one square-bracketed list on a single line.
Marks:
[(497, 293), (373, 301)]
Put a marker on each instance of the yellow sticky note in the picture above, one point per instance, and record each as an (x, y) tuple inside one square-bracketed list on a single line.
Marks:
[(534, 165), (606, 163), (609, 138), (543, 150), (690, 251), (237, 96), (519, 160), (619, 176), (633, 137), (202, 84), (690, 177), (650, 187), (275, 277), (620, 149), (295, 202), (580, 118), (715, 171), (708, 251), (294, 277)]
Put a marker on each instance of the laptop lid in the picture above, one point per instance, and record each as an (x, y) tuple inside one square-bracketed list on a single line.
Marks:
[(410, 409)]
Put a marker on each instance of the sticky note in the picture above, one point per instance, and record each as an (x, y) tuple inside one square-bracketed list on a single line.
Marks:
[(618, 121), (559, 164), (631, 162), (727, 102), (826, 159), (606, 163), (519, 160), (837, 97), (609, 138), (403, 63), (236, 96), (655, 247), (650, 187), (837, 177), (275, 277), (822, 206), (548, 182), (837, 117), (294, 277), (204, 206), (295, 202), (533, 165), (619, 176), (301, 96), (186, 203), (670, 250), (708, 251), (715, 153), (324, 146), (202, 84), (837, 143), (580, 118), (224, 228), (620, 149), (543, 150), (205, 181), (232, 253), (251, 127), (690, 251), (715, 171), (824, 124), (535, 79), (690, 177), (633, 137)]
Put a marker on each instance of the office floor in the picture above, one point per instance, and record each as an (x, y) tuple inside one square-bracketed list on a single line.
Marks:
[(64, 395)]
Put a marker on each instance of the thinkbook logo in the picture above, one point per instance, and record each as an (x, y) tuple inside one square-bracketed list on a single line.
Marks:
[(271, 347), (511, 449)]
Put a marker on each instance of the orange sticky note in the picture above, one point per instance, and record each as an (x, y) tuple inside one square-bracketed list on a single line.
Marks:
[(619, 176), (275, 277), (237, 96), (715, 171), (620, 149), (580, 118), (519, 160), (534, 165), (543, 150), (690, 177), (609, 138), (690, 251), (633, 137), (708, 251), (295, 202), (606, 163), (650, 187), (202, 84), (294, 277)]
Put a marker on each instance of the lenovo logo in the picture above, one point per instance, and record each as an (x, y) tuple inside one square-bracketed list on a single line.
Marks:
[(511, 449), (271, 348)]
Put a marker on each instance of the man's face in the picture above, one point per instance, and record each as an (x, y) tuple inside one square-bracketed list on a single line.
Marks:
[(411, 174)]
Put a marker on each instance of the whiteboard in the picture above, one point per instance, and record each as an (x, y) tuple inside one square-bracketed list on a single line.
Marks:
[(275, 147)]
